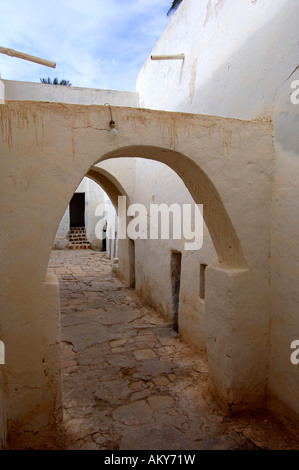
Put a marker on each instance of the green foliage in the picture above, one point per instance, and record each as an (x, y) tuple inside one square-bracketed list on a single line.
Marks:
[(175, 5), (55, 81)]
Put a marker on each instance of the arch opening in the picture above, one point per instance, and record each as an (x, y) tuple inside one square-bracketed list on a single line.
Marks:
[(202, 190), (200, 186)]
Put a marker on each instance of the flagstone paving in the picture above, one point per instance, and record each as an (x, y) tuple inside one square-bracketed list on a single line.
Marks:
[(129, 382)]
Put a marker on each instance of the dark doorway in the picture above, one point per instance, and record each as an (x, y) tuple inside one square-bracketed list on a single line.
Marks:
[(104, 234), (202, 281), (132, 262), (175, 275), (77, 210)]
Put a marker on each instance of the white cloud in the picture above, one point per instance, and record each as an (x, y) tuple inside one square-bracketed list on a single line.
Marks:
[(96, 43)]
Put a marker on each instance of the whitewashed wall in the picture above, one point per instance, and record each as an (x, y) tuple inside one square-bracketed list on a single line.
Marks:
[(27, 91), (238, 53), (158, 184), (240, 60), (94, 196)]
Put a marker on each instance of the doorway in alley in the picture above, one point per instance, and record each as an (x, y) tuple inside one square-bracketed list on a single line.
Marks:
[(77, 210), (175, 276)]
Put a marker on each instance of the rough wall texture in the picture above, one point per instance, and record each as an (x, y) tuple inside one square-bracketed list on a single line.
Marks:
[(283, 375), (237, 55)]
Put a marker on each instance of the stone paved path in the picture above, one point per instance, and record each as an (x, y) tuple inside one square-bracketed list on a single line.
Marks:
[(129, 382)]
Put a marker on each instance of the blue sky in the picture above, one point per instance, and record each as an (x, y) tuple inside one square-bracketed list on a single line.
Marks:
[(95, 43)]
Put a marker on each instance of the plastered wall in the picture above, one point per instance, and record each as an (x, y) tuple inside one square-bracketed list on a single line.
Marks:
[(157, 184), (28, 91), (241, 58)]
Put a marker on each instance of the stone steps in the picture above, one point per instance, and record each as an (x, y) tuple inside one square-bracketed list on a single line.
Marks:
[(77, 239)]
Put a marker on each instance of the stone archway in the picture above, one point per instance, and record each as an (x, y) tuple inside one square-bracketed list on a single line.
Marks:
[(46, 149)]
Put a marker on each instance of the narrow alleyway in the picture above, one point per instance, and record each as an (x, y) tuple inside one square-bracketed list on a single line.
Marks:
[(129, 382)]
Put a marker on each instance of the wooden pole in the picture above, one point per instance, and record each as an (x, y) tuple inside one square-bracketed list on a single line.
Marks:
[(31, 58), (168, 57)]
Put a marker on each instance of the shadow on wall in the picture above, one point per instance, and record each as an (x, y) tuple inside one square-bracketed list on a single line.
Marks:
[(248, 72)]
